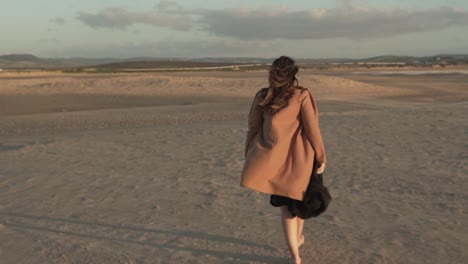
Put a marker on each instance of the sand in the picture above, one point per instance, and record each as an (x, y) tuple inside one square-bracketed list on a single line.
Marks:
[(144, 168)]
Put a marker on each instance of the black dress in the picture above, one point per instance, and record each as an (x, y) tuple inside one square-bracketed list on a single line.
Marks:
[(315, 201)]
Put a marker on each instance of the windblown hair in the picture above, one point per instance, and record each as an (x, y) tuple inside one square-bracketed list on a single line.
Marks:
[(283, 83)]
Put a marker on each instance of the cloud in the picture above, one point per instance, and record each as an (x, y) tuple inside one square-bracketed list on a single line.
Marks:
[(48, 40), (344, 21), (58, 20), (168, 5), (119, 18)]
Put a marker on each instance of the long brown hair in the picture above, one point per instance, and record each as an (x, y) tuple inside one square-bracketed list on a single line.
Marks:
[(283, 83)]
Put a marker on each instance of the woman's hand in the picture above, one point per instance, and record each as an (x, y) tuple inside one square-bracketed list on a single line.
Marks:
[(321, 168)]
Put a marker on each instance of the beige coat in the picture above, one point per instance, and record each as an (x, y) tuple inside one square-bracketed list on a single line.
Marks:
[(280, 148)]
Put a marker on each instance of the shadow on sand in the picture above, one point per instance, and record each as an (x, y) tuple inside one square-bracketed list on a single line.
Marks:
[(172, 232)]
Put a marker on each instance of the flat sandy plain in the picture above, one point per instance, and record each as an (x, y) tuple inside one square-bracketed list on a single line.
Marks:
[(145, 168)]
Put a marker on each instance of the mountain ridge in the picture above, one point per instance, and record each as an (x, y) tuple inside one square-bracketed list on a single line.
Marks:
[(30, 61)]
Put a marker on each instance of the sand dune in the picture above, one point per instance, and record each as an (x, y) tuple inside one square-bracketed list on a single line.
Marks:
[(149, 173), (170, 85), (73, 92)]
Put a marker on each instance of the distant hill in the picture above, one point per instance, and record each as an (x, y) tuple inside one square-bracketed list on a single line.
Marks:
[(19, 57), (450, 59), (241, 60), (29, 61), (160, 64), (389, 58)]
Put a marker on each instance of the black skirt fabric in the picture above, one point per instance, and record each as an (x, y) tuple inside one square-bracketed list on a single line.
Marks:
[(292, 204), (277, 201), (315, 201)]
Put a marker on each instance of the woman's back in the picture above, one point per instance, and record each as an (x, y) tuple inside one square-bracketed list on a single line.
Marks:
[(280, 146), (279, 128)]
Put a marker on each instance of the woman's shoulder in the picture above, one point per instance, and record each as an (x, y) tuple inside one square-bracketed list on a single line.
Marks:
[(306, 95), (262, 92), (303, 91)]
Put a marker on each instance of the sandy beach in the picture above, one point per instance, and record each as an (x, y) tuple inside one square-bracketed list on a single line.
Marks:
[(145, 168)]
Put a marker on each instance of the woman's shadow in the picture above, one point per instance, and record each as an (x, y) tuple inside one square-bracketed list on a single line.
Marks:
[(11, 220)]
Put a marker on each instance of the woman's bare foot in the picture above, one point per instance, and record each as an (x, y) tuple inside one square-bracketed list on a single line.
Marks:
[(297, 260), (301, 240)]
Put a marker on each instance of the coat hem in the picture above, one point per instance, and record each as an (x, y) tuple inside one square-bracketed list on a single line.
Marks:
[(270, 192)]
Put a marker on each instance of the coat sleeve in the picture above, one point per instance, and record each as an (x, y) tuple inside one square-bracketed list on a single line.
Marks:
[(255, 122), (310, 121)]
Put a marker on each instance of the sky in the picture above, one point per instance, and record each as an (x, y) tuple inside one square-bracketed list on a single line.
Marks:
[(214, 28)]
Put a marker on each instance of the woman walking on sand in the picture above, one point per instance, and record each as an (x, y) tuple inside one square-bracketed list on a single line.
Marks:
[(283, 142)]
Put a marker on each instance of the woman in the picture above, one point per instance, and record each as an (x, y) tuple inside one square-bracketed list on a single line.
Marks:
[(283, 142)]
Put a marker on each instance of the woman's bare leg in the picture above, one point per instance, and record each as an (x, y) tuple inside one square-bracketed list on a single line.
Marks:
[(290, 232), (300, 236)]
